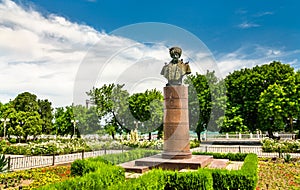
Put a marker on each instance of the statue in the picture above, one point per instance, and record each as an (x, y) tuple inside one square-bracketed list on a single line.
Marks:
[(176, 69)]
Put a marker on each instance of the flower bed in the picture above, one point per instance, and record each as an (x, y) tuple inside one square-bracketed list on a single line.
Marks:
[(34, 178), (57, 146), (277, 174), (153, 144), (288, 146)]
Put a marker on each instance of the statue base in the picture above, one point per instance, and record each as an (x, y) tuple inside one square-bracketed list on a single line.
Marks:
[(176, 123)]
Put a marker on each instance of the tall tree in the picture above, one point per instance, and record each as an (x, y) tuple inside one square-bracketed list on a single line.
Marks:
[(245, 86), (271, 109), (88, 121), (206, 99), (112, 104), (46, 112), (64, 122), (26, 102), (24, 117), (147, 108)]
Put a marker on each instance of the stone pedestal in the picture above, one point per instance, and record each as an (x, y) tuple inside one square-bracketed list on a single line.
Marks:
[(176, 123)]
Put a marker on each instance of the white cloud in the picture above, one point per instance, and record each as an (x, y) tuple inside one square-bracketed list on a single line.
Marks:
[(249, 56), (246, 25), (61, 60), (264, 14), (41, 54), (51, 56)]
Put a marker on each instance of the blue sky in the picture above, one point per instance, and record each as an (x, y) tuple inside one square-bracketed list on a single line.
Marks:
[(223, 26), (48, 47)]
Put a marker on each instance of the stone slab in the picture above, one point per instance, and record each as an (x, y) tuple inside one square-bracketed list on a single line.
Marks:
[(131, 167), (218, 163), (144, 164)]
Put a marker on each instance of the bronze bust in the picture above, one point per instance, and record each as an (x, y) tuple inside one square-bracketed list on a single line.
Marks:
[(176, 69)]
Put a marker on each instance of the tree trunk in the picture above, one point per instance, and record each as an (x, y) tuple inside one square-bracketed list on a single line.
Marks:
[(113, 135), (270, 133), (149, 136), (291, 123), (198, 136)]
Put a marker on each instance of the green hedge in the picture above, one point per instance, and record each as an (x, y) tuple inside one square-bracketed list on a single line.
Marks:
[(159, 179), (99, 173), (151, 180), (104, 176), (127, 156), (81, 167), (230, 156), (245, 178)]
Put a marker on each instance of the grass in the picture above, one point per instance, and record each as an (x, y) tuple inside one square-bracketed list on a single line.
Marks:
[(278, 174)]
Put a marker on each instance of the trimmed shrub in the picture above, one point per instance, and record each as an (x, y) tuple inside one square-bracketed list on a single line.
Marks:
[(230, 156), (105, 176), (127, 156), (245, 178), (81, 167), (168, 180), (152, 180), (201, 179)]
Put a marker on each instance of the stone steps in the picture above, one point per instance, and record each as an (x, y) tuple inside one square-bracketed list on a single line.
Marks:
[(218, 164), (144, 164)]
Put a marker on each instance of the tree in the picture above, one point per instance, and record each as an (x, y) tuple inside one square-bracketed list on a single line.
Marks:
[(45, 110), (291, 88), (147, 108), (26, 102), (88, 121), (271, 109), (112, 106), (245, 86), (206, 99), (63, 121), (23, 124)]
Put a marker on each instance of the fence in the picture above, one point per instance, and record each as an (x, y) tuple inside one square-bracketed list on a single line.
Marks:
[(26, 162), (244, 136), (242, 149)]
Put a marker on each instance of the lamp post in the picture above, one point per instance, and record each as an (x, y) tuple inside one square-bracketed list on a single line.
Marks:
[(4, 125), (136, 124), (74, 125), (87, 102)]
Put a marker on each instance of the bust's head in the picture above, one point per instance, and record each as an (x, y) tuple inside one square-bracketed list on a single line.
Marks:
[(175, 52)]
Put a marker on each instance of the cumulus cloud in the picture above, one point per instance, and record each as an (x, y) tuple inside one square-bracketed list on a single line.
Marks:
[(40, 53), (50, 56), (249, 56), (60, 60)]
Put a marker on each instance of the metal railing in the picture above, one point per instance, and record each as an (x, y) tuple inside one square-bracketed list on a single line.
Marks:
[(244, 136), (242, 149), (27, 162)]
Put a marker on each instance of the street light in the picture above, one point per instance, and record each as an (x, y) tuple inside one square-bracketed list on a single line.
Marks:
[(4, 125), (136, 124), (74, 125)]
